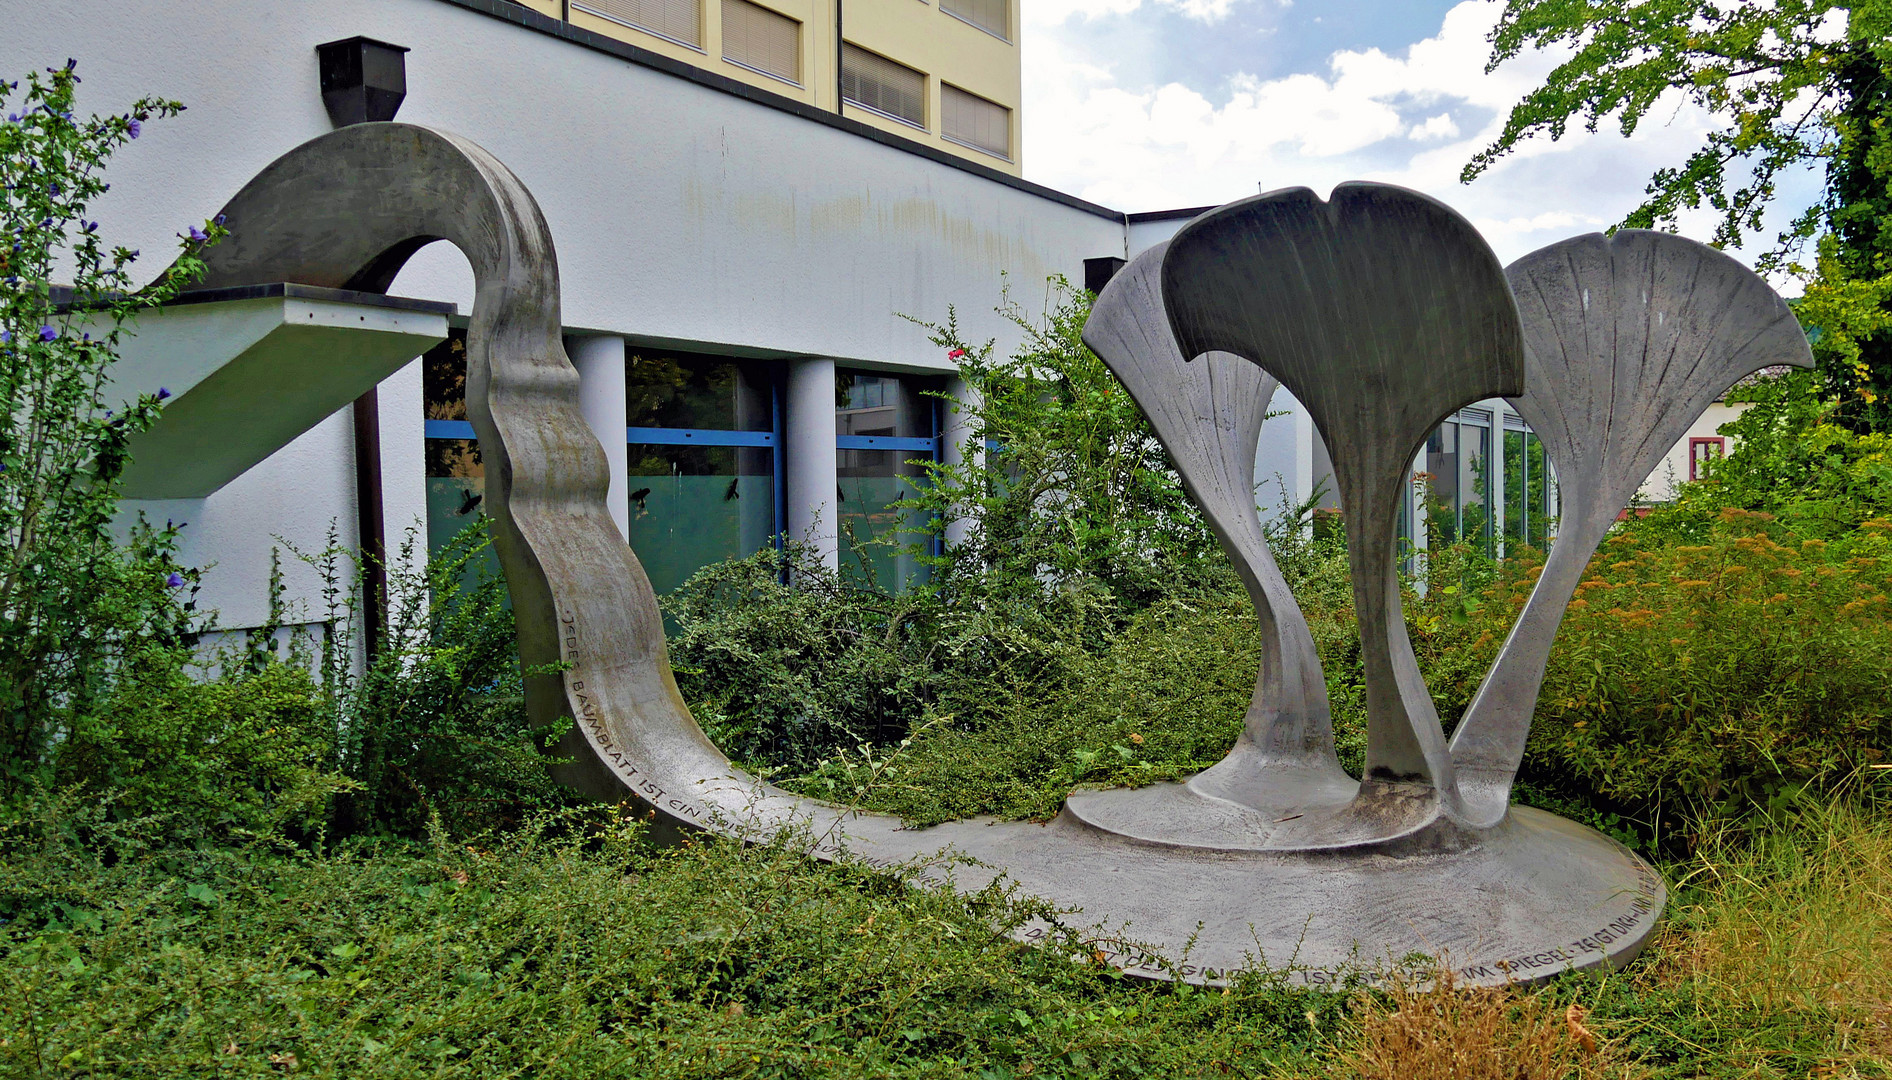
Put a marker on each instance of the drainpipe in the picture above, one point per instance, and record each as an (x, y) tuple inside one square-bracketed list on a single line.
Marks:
[(840, 53), (365, 81), (371, 520)]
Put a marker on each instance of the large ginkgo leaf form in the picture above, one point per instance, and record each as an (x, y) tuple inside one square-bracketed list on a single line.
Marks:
[(1208, 413), (1628, 339), (1382, 311)]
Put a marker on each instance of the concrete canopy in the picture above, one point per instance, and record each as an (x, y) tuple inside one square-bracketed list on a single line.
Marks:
[(250, 369)]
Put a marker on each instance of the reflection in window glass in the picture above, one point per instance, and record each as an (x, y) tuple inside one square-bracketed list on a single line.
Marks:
[(696, 505), (872, 479), (870, 482), (456, 488), (1442, 467), (1474, 485), (867, 404), (456, 477), (703, 392)]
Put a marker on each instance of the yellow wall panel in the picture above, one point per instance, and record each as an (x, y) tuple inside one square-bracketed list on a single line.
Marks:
[(915, 33)]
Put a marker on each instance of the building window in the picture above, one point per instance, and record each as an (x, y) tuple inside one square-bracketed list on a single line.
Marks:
[(704, 470), (879, 85), (456, 475), (992, 16), (971, 120), (886, 431), (679, 20), (762, 40), (704, 464), (1702, 452)]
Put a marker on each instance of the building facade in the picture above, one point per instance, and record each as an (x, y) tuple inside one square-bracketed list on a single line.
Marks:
[(944, 73), (748, 229)]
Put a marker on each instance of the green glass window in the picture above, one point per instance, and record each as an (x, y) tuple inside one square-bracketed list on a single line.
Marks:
[(886, 429), (704, 461)]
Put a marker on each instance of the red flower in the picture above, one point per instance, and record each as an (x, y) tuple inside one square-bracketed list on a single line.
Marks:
[(955, 354)]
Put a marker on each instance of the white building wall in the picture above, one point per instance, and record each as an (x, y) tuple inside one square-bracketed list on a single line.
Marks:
[(680, 212), (1673, 469), (683, 216)]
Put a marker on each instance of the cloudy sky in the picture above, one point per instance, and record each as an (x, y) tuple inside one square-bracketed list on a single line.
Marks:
[(1155, 104)]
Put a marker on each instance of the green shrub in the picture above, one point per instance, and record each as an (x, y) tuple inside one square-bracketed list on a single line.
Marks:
[(247, 756), (433, 726), (586, 956), (76, 608)]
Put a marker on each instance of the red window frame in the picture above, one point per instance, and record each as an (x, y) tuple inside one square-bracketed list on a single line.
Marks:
[(1695, 458)]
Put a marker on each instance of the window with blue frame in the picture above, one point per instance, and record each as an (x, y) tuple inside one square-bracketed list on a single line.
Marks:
[(456, 476), (704, 442), (886, 427), (705, 461)]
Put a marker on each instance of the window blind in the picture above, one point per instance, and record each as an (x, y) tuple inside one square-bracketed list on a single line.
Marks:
[(974, 121), (992, 16), (758, 38), (878, 83), (679, 20)]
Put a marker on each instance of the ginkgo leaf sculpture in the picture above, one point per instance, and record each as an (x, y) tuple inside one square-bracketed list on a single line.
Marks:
[(1628, 339), (1382, 311), (1208, 414)]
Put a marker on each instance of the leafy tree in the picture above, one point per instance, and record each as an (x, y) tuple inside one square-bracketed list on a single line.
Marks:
[(1793, 83), (75, 607)]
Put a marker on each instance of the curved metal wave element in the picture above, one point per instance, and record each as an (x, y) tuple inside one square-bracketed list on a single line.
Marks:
[(1536, 893), (347, 210), (1382, 311), (1628, 339), (1208, 415)]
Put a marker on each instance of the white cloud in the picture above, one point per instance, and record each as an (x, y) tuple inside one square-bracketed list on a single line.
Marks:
[(1411, 119), (1056, 12), (1437, 127)]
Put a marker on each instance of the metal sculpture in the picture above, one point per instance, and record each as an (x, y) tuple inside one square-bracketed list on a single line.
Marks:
[(1628, 338), (1381, 309), (1208, 415)]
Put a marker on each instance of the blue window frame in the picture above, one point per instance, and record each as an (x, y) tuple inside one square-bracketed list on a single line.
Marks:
[(886, 430), (704, 469), (705, 462)]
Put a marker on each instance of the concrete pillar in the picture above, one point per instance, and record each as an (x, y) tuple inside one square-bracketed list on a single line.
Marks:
[(813, 507), (600, 364), (956, 428)]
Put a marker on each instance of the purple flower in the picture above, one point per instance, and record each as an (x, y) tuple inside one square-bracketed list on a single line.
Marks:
[(6, 337), (163, 393), (220, 218), (175, 580), (47, 333), (136, 129), (199, 234)]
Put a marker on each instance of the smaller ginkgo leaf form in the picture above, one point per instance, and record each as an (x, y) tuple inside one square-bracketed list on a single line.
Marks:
[(1382, 311), (1208, 413), (1628, 339)]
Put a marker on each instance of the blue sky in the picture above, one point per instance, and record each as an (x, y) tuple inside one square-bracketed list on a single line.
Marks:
[(1153, 104)]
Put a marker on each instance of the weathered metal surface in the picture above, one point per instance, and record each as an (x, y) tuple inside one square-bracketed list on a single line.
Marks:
[(1533, 895), (1208, 415), (1628, 339), (1281, 787), (1382, 311)]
